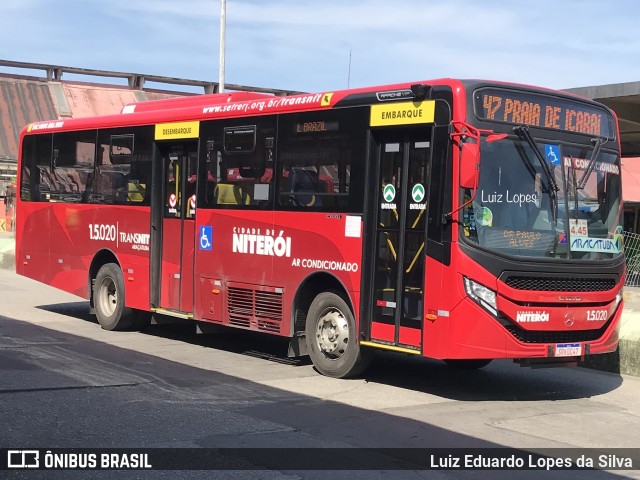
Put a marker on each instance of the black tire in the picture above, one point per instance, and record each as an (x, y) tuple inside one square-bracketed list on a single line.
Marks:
[(468, 364), (108, 299), (332, 338)]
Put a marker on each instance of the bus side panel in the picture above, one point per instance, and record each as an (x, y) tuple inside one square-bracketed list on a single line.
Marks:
[(32, 241), (461, 329), (436, 301), (248, 253), (70, 249), (216, 266), (78, 232), (321, 242), (133, 226)]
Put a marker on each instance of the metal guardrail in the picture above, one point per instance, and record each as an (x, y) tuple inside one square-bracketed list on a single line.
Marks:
[(632, 258), (136, 81)]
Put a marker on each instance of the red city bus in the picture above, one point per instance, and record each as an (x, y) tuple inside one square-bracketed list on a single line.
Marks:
[(458, 220)]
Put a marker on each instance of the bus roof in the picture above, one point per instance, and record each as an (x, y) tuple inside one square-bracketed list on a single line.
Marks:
[(240, 104), (191, 101)]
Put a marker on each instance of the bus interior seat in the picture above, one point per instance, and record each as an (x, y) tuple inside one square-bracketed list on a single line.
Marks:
[(136, 192), (304, 185), (325, 183), (230, 194), (137, 182)]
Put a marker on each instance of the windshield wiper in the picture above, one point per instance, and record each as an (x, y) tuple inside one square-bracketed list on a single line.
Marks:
[(523, 132), (598, 142), (574, 182)]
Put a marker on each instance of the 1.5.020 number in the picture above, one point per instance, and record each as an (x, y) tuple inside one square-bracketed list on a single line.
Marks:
[(102, 232)]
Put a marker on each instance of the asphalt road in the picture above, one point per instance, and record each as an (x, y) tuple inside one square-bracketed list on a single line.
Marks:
[(66, 383)]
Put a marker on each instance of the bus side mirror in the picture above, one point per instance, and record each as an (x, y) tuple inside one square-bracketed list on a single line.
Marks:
[(469, 165)]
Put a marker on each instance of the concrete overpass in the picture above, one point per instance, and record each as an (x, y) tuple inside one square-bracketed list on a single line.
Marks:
[(624, 99)]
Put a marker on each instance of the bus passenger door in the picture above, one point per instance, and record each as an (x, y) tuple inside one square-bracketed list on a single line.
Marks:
[(399, 274), (180, 167)]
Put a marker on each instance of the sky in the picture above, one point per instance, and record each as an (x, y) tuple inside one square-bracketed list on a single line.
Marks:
[(322, 45)]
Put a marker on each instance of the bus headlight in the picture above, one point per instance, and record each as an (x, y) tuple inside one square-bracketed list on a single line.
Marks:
[(481, 295)]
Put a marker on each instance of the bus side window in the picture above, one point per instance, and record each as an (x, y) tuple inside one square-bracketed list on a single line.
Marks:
[(139, 179), (321, 160), (122, 173), (73, 158), (239, 163), (36, 166), (105, 181)]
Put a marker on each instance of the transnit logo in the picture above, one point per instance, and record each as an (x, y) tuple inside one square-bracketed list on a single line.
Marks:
[(530, 317)]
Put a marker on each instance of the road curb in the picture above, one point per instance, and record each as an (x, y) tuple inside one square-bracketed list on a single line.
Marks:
[(627, 359), (7, 252)]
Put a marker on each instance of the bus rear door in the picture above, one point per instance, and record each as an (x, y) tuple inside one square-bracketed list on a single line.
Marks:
[(179, 166)]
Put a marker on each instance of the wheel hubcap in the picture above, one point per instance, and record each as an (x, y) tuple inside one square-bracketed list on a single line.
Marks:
[(108, 297), (332, 334)]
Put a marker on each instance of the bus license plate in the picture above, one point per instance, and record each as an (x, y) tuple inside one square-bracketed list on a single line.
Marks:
[(568, 350)]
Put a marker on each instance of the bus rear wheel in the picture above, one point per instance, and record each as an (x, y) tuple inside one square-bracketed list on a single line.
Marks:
[(108, 298), (474, 364), (332, 338)]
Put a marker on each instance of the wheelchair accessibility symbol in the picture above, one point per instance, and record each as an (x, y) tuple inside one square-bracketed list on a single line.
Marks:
[(552, 152), (206, 234)]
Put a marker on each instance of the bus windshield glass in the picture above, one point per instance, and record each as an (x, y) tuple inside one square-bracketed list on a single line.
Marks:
[(566, 207)]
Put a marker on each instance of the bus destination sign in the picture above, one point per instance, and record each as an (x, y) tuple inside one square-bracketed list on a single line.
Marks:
[(542, 111)]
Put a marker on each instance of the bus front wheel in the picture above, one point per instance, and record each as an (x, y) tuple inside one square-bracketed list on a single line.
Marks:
[(332, 338), (108, 298)]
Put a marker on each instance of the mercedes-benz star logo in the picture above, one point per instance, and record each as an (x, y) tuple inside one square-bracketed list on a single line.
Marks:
[(568, 319)]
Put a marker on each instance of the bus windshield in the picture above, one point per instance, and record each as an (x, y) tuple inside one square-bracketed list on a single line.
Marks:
[(517, 210)]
